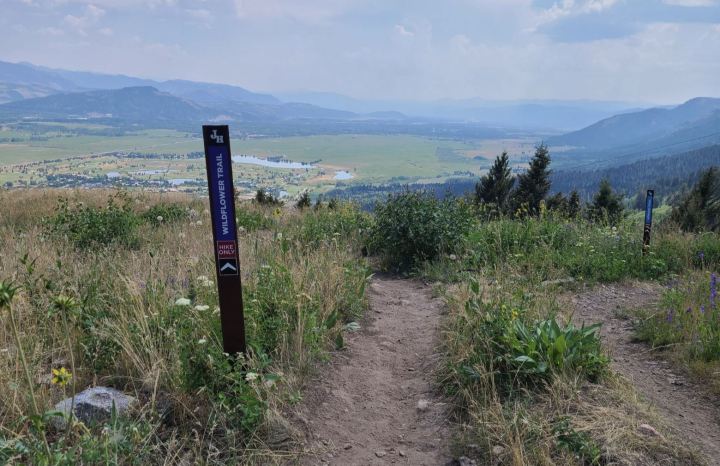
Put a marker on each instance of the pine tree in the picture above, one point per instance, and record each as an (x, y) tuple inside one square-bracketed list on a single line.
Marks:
[(558, 203), (494, 188), (700, 208), (534, 184), (574, 205), (607, 205)]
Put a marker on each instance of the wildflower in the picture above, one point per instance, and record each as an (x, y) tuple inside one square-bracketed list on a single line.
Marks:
[(199, 223), (277, 212), (160, 218), (702, 309), (250, 376), (202, 307), (514, 314), (701, 256), (184, 302), (713, 289), (670, 316), (61, 376), (202, 341)]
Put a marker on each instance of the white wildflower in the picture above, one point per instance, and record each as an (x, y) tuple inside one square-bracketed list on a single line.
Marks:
[(160, 218), (183, 302), (250, 376), (202, 341), (202, 307)]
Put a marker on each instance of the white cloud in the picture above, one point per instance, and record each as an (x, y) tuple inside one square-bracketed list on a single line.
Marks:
[(305, 11), (400, 29), (691, 3)]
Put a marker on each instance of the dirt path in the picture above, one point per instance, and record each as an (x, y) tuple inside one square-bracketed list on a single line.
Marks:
[(374, 404), (688, 409)]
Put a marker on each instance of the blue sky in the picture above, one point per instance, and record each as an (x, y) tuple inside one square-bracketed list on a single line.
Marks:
[(660, 51)]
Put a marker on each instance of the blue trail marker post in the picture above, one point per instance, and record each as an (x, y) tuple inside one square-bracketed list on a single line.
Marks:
[(649, 199), (227, 260)]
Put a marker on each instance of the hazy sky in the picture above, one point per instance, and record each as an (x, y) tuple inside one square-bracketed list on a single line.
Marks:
[(660, 51)]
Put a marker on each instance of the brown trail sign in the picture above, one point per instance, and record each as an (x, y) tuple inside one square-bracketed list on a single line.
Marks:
[(227, 259)]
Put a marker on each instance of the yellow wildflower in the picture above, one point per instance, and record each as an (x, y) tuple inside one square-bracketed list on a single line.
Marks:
[(61, 376)]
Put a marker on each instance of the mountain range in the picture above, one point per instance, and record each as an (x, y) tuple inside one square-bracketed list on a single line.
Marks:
[(32, 92)]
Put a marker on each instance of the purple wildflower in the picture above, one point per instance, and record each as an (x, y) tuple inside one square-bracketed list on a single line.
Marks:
[(701, 255), (713, 289), (702, 309), (689, 310), (670, 315)]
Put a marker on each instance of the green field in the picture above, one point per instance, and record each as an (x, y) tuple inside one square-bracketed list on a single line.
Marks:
[(370, 159)]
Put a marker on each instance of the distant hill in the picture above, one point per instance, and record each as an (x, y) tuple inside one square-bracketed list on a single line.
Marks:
[(152, 107), (647, 128), (128, 105), (46, 81), (555, 115), (666, 175)]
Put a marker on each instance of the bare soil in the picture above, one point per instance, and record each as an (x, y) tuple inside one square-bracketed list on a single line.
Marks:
[(375, 403), (689, 410)]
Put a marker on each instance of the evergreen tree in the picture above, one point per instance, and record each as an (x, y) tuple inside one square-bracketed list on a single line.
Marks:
[(607, 205), (574, 205), (700, 208), (303, 201), (534, 184), (558, 203), (494, 188)]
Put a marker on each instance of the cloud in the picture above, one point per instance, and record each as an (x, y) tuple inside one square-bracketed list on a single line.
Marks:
[(310, 11), (400, 29), (691, 3)]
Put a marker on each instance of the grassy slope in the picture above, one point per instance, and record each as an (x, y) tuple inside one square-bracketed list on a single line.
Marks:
[(303, 279)]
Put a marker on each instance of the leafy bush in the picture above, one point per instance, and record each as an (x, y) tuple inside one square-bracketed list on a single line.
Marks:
[(412, 227), (519, 353), (161, 213), (344, 222), (87, 226), (252, 220)]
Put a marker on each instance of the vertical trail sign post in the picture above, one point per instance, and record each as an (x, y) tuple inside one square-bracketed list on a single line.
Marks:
[(227, 260), (648, 220)]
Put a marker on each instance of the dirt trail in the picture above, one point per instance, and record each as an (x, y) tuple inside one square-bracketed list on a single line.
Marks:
[(688, 409), (363, 409)]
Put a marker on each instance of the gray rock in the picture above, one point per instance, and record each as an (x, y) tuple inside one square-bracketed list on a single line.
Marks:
[(93, 405), (279, 433)]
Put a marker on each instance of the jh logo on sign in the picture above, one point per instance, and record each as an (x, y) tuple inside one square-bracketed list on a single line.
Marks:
[(218, 138)]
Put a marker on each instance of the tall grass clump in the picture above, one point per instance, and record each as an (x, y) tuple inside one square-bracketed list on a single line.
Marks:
[(686, 324), (413, 227)]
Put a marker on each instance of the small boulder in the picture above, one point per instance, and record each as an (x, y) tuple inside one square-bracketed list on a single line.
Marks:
[(93, 405), (498, 450)]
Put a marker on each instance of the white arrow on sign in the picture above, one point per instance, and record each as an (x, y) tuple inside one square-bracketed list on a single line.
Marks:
[(228, 266)]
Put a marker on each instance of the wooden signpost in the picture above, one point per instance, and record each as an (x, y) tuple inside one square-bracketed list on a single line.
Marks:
[(227, 260), (648, 220)]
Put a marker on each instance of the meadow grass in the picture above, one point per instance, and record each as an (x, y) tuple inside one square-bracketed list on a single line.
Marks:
[(140, 314)]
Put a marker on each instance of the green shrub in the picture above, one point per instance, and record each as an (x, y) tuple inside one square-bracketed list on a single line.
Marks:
[(252, 220), (87, 226), (345, 222), (517, 351), (413, 227), (161, 213)]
